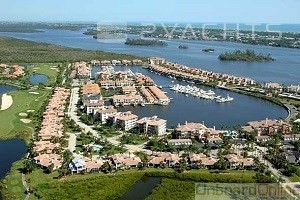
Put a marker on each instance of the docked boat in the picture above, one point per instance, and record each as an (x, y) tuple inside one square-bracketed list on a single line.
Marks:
[(197, 92)]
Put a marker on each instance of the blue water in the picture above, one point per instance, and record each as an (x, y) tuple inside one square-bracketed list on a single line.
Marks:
[(240, 111), (36, 79), (286, 68), (10, 150), (6, 88)]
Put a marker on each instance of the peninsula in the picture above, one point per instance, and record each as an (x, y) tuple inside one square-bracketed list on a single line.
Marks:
[(247, 55)]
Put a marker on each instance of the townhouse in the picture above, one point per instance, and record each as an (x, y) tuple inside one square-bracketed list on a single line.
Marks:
[(163, 158), (52, 127), (125, 161), (237, 161), (199, 160), (126, 100)]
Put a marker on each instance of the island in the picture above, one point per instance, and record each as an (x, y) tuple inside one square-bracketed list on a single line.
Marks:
[(209, 50), (247, 55), (142, 42), (183, 47)]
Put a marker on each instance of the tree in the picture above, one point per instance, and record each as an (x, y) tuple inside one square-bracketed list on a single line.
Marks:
[(221, 164), (50, 168), (182, 165), (106, 167), (67, 157), (28, 166)]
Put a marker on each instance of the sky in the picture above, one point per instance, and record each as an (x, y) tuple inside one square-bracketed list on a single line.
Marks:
[(235, 11)]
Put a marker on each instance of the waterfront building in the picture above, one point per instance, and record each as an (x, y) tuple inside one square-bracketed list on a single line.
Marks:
[(129, 90), (104, 112), (124, 120), (157, 61), (147, 95), (294, 89), (126, 62), (126, 100), (116, 62), (152, 126), (161, 98), (267, 127), (82, 69), (273, 87), (142, 80), (137, 62), (190, 130)]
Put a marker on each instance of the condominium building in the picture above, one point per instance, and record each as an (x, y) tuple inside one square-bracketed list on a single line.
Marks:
[(152, 125), (123, 120), (102, 114)]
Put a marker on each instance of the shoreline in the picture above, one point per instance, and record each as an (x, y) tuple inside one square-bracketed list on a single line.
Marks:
[(6, 102)]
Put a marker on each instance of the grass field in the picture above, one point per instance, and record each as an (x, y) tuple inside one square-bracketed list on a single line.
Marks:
[(102, 186), (22, 102), (171, 189), (48, 69), (22, 51)]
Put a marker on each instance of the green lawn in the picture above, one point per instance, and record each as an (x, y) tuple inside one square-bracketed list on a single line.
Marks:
[(102, 186), (170, 189), (13, 183), (22, 102), (48, 69)]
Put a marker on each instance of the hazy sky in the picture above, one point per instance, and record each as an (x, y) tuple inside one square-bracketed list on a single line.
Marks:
[(251, 11)]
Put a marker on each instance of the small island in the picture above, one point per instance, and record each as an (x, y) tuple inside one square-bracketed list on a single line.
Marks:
[(183, 47), (247, 55), (142, 42), (208, 50)]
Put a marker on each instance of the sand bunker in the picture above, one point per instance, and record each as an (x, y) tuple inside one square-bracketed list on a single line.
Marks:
[(23, 114), (25, 121), (30, 111), (34, 93), (7, 102)]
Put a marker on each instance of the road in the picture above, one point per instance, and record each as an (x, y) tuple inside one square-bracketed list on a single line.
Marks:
[(72, 142), (74, 98), (294, 186)]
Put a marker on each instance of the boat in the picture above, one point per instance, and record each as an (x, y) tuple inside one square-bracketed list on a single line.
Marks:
[(142, 104)]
